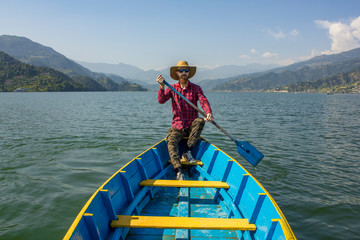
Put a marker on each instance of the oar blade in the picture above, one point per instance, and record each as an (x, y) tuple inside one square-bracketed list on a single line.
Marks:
[(249, 152)]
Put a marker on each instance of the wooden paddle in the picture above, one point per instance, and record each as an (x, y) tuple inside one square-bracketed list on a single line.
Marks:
[(245, 149)]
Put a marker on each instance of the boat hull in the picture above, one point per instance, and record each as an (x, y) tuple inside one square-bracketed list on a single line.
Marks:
[(124, 196)]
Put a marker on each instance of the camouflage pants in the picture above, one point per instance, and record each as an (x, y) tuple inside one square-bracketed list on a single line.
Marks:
[(175, 135)]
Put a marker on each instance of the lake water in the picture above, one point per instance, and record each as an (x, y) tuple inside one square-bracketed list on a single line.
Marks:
[(56, 149)]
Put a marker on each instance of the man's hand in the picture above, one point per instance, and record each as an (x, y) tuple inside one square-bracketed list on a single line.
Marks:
[(160, 80), (209, 117)]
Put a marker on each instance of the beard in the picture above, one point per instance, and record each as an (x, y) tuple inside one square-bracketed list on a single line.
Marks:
[(184, 76)]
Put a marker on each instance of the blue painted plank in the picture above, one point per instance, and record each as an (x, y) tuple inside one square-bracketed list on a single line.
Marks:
[(183, 211), (204, 205), (92, 226), (108, 204), (165, 203), (81, 231), (100, 216), (117, 193)]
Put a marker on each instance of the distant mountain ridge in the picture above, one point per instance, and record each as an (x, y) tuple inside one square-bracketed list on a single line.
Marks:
[(33, 53), (313, 69), (322, 60), (36, 54), (220, 78), (121, 69), (136, 74)]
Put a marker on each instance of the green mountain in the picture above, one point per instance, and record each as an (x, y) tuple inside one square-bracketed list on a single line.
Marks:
[(27, 51), (15, 75), (33, 53), (348, 82), (313, 69)]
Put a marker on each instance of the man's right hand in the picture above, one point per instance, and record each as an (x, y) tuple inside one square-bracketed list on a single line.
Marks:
[(160, 80), (209, 117)]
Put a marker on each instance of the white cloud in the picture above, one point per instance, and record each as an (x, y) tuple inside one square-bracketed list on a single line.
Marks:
[(270, 55), (281, 35), (343, 36), (313, 53), (277, 35), (294, 33), (244, 56), (355, 25), (253, 51)]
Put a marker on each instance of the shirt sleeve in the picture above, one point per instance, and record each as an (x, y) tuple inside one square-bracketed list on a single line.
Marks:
[(164, 95), (204, 102)]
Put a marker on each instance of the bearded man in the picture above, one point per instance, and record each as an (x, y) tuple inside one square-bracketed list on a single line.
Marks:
[(186, 121)]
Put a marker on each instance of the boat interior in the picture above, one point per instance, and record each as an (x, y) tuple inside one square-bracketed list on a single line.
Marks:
[(218, 199)]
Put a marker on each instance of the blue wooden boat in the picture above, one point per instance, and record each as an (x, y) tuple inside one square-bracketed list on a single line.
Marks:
[(218, 200)]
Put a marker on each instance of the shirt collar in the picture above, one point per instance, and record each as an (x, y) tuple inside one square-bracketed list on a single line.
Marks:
[(188, 86)]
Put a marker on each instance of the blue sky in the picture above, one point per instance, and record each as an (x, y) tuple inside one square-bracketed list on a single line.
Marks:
[(154, 34)]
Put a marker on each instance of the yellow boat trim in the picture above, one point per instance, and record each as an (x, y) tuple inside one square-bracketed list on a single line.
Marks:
[(183, 223), (183, 183)]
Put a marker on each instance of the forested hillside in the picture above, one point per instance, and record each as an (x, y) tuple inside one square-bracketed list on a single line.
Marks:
[(15, 75), (348, 82), (18, 76)]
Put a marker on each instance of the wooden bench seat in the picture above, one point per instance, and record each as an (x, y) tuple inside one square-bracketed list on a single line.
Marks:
[(196, 163), (127, 221), (184, 183)]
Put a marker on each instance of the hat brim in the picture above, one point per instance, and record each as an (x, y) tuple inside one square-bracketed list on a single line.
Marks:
[(173, 70)]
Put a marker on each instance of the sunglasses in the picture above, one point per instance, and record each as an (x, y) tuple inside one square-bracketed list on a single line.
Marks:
[(183, 70)]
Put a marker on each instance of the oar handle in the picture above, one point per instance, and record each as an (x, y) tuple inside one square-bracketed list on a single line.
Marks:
[(199, 110)]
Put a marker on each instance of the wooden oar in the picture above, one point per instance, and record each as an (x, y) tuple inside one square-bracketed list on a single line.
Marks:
[(245, 149)]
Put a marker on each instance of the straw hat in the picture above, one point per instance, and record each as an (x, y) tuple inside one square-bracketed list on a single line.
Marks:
[(182, 64)]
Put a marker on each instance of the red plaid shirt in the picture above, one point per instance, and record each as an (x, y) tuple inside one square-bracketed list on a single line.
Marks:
[(184, 114)]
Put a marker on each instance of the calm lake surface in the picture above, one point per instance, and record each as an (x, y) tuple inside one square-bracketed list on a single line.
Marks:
[(56, 149)]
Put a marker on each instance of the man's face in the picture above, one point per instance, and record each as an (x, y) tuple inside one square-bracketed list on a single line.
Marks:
[(183, 73)]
